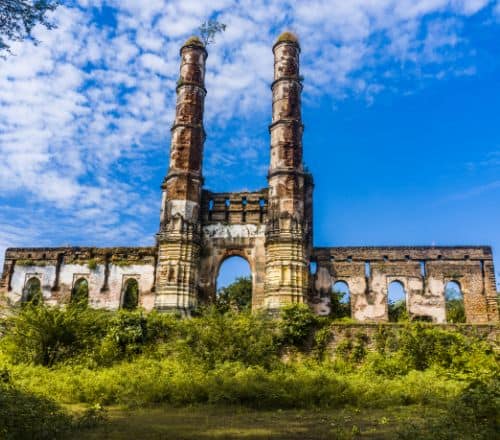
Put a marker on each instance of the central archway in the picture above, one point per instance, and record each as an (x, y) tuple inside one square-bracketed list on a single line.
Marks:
[(234, 284)]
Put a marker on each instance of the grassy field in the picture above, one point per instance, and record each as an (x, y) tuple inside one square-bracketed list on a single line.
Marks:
[(211, 422)]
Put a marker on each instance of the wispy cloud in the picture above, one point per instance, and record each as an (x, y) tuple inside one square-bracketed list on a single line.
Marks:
[(476, 191)]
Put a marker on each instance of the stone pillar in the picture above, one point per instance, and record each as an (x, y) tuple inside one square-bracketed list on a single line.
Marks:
[(288, 229), (179, 236)]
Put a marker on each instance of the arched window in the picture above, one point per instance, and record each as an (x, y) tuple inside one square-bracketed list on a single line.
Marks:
[(396, 299), (341, 300), (80, 292), (33, 291), (234, 285), (454, 299), (131, 294)]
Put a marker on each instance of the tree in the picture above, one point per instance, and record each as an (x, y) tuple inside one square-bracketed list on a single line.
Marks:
[(19, 17), (397, 311), (209, 29), (339, 308), (236, 296), (455, 310)]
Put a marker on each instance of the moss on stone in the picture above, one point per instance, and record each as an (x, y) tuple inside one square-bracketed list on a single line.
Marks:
[(193, 41), (30, 262), (288, 36)]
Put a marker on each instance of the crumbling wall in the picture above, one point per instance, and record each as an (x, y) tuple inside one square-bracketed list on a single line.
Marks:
[(423, 272), (58, 269)]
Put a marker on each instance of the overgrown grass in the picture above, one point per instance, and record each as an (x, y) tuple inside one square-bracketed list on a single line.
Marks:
[(82, 356)]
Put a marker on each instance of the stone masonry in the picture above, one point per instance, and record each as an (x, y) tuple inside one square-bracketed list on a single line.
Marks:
[(270, 228)]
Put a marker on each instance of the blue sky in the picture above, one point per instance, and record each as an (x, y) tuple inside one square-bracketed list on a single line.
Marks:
[(400, 106)]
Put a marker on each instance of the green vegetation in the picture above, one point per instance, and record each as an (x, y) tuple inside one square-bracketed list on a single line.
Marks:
[(209, 29), (92, 264), (80, 293), (237, 296), (19, 17), (131, 295), (339, 306), (397, 311), (455, 310), (33, 292), (220, 362), (288, 36)]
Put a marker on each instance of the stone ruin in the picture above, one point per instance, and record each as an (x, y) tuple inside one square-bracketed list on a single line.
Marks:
[(270, 228)]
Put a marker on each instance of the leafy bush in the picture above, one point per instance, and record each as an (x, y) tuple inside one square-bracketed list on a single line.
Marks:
[(297, 325), (45, 335), (237, 296), (216, 338), (338, 307), (398, 312)]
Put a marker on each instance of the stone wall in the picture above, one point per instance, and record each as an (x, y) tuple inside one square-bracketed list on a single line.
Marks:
[(58, 269), (367, 333), (422, 271)]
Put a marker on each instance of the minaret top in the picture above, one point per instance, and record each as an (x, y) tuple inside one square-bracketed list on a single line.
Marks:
[(287, 37), (193, 42)]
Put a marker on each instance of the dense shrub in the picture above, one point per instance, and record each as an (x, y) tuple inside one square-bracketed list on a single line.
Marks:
[(215, 338), (297, 325), (45, 335)]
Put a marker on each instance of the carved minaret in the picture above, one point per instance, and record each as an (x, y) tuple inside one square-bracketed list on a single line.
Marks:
[(179, 235), (288, 232)]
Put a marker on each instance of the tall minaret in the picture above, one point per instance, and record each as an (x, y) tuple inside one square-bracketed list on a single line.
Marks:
[(179, 235), (288, 230)]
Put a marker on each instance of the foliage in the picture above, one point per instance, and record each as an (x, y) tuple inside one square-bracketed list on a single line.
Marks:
[(19, 17), (24, 415), (455, 310), (297, 324), (131, 295), (216, 338), (473, 414), (237, 296), (80, 293), (92, 264), (397, 311), (44, 335), (209, 29), (130, 358), (339, 308), (33, 294)]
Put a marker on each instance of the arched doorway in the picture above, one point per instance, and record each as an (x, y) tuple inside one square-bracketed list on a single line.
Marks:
[(234, 285), (33, 292), (396, 302), (80, 292), (341, 300), (130, 299), (454, 300)]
